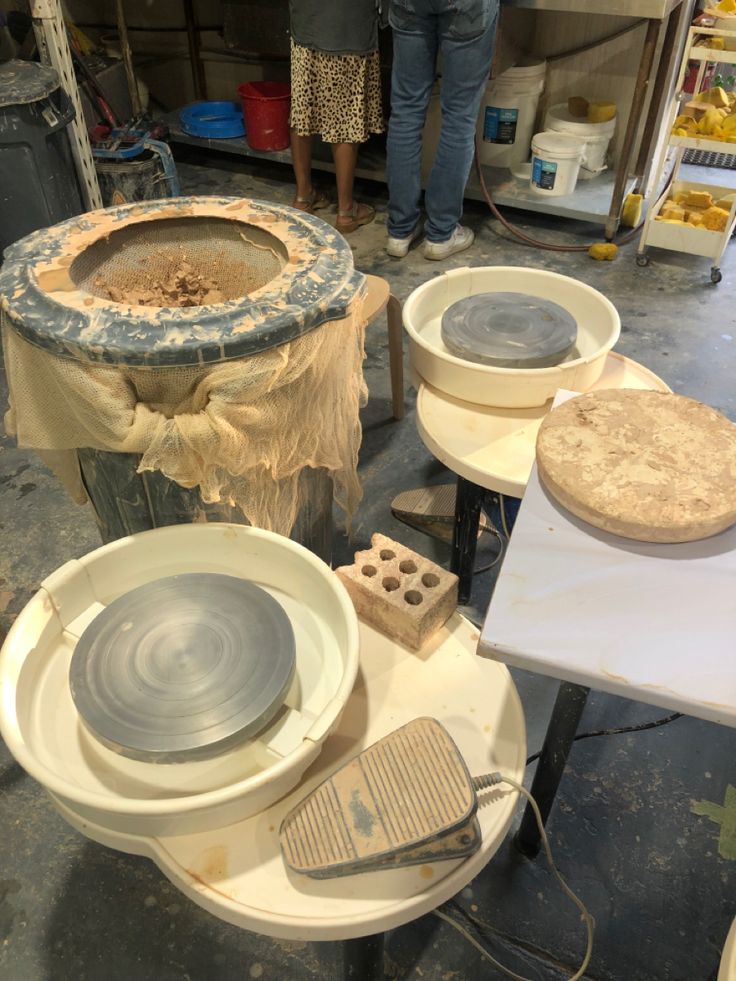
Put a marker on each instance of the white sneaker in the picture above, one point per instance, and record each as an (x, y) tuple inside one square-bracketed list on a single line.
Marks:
[(462, 238), (399, 247)]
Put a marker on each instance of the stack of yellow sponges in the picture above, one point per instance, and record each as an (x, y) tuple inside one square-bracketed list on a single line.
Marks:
[(696, 208), (718, 119)]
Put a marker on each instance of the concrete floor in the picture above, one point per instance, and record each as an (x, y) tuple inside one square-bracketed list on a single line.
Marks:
[(659, 878)]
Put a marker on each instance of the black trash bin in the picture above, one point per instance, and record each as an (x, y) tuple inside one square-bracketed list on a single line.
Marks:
[(38, 181)]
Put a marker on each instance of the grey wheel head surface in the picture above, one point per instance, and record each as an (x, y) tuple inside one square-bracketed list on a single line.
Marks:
[(509, 330), (183, 668)]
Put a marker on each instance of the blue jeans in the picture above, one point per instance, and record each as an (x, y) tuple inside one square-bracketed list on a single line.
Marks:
[(464, 31)]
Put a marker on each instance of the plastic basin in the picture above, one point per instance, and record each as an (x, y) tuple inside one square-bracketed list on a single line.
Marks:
[(598, 322), (42, 730)]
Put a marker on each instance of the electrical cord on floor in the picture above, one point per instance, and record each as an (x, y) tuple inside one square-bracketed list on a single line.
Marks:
[(502, 511), (640, 727), (484, 783), (522, 236)]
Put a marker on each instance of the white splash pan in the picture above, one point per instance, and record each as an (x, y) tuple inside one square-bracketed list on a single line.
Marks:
[(40, 725), (598, 323)]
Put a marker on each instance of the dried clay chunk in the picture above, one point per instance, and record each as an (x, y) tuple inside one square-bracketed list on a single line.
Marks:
[(402, 594), (715, 219), (651, 466)]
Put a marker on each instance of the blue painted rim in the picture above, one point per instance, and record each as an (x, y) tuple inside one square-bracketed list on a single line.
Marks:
[(317, 285)]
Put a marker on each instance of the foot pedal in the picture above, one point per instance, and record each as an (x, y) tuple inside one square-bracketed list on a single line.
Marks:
[(407, 799)]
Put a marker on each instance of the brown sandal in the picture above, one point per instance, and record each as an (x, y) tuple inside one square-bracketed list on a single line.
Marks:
[(315, 202), (357, 219)]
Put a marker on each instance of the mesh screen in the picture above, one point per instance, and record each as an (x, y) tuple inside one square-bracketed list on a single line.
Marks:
[(152, 257)]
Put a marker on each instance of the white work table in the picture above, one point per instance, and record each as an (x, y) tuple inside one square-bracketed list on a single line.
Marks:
[(655, 623)]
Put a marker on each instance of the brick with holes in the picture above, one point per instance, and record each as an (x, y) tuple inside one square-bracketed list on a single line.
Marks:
[(399, 592)]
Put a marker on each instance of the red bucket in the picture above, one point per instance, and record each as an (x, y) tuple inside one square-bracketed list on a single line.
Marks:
[(266, 112)]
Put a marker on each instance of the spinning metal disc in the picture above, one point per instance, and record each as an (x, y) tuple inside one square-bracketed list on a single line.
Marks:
[(183, 668), (509, 330)]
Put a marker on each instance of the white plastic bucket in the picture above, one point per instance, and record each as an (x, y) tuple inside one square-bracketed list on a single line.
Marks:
[(594, 137), (556, 161), (508, 113)]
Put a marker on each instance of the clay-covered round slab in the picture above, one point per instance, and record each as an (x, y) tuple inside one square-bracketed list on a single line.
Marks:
[(651, 466)]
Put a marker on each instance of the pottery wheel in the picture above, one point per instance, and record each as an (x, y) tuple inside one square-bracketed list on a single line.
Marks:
[(651, 466), (183, 668), (509, 330)]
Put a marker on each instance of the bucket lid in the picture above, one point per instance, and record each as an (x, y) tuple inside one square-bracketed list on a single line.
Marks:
[(23, 82), (558, 144), (533, 69), (559, 118), (51, 295)]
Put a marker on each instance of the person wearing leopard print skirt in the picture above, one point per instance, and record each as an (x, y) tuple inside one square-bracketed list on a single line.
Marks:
[(336, 94)]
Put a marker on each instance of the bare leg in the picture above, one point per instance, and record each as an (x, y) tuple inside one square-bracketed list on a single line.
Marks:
[(301, 158), (345, 156)]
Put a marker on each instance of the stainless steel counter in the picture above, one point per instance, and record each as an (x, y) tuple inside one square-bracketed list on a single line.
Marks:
[(657, 9)]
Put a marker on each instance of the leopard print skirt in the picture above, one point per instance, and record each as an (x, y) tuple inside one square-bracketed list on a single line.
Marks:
[(337, 97)]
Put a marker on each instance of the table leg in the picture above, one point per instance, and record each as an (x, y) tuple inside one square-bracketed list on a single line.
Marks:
[(659, 91), (395, 355), (363, 958), (632, 127), (561, 731), (468, 503)]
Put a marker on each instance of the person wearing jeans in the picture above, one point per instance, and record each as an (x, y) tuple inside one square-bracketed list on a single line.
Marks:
[(463, 31)]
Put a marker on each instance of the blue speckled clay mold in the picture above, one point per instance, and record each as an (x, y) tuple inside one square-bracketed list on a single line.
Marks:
[(44, 304)]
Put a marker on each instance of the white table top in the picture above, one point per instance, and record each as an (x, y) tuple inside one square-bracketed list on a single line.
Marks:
[(656, 623), (237, 872), (727, 970), (494, 448)]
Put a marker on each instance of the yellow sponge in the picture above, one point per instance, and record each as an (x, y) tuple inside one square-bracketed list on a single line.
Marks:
[(602, 112), (603, 251), (631, 212), (716, 219), (698, 199), (670, 210), (726, 202), (726, 7)]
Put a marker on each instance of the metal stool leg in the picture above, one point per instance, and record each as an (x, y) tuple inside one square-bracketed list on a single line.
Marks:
[(561, 731), (363, 958), (395, 356), (468, 503)]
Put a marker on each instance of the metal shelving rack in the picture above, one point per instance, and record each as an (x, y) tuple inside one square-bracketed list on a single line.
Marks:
[(682, 238), (53, 47)]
